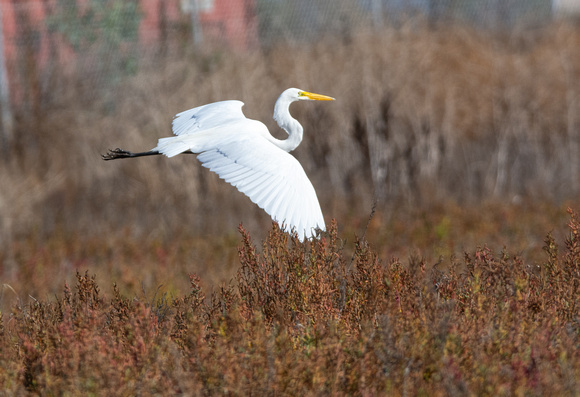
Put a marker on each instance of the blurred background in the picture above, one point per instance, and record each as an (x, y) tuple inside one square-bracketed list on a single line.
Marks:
[(460, 119)]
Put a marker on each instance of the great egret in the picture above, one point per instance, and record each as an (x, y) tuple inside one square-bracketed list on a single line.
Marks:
[(243, 153)]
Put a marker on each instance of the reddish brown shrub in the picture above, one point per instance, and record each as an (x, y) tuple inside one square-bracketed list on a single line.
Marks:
[(311, 319)]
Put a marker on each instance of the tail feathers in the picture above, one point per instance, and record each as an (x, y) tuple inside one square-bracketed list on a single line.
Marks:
[(171, 146)]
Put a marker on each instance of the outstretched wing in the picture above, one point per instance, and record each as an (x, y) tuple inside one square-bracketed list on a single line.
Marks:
[(207, 116), (237, 149), (198, 129), (271, 178)]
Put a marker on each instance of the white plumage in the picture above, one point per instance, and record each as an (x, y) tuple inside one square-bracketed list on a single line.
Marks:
[(243, 153)]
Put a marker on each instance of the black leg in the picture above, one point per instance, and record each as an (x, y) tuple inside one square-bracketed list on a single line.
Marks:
[(114, 154)]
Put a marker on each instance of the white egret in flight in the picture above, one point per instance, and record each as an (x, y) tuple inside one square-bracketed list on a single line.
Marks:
[(243, 153)]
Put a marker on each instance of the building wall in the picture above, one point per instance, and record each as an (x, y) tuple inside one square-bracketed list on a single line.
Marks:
[(32, 51), (566, 7)]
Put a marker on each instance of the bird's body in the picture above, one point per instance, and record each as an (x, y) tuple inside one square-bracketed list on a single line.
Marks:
[(243, 153)]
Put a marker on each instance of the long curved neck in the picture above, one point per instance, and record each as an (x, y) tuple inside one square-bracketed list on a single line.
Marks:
[(288, 124)]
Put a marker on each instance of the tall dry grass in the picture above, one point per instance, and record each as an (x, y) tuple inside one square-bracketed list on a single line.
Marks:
[(428, 121), (422, 115), (310, 319)]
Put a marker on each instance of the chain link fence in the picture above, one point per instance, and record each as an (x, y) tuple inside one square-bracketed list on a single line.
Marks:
[(118, 34), (44, 42)]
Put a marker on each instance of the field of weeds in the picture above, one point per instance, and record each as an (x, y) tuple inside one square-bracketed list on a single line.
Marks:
[(134, 277), (308, 319)]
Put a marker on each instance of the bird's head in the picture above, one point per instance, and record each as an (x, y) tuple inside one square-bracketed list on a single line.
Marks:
[(301, 95), (286, 121)]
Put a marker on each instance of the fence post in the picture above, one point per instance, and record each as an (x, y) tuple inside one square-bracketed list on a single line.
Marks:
[(6, 134), (378, 14), (195, 24)]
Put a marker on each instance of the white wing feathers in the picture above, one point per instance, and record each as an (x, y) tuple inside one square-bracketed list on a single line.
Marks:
[(271, 178), (207, 116), (238, 150)]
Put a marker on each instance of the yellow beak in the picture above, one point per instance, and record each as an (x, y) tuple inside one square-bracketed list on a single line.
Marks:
[(316, 97)]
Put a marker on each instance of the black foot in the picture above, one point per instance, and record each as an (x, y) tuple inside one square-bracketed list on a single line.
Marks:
[(113, 154)]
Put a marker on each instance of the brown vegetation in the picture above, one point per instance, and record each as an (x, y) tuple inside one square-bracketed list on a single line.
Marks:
[(308, 319), (469, 142), (421, 116)]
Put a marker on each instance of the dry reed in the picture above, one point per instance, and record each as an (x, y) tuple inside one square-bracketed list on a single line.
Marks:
[(422, 115)]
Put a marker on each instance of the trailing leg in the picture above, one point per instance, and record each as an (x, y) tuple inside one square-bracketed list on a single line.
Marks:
[(114, 154)]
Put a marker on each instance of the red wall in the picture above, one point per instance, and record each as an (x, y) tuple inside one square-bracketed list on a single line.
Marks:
[(232, 23)]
